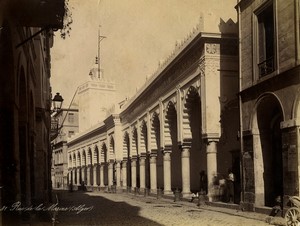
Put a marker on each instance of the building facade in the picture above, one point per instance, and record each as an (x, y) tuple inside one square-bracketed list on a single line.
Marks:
[(25, 102), (184, 120), (67, 120), (269, 97)]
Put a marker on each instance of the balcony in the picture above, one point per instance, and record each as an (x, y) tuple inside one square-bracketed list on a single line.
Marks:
[(266, 67), (39, 13)]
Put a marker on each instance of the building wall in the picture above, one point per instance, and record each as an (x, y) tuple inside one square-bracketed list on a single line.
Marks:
[(68, 124), (25, 111), (276, 91)]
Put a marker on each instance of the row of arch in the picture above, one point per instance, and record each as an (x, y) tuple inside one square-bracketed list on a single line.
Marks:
[(89, 156), (141, 143)]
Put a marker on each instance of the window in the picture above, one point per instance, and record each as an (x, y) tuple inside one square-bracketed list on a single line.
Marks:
[(71, 133), (266, 40), (71, 117)]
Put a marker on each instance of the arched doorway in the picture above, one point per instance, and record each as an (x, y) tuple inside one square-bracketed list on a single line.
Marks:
[(172, 139), (267, 145), (156, 148), (104, 162), (145, 154), (126, 146), (136, 152), (192, 133)]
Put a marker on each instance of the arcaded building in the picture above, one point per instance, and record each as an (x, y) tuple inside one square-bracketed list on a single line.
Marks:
[(269, 97), (184, 120)]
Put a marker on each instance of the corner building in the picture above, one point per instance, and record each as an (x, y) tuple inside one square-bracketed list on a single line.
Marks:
[(269, 95), (185, 119)]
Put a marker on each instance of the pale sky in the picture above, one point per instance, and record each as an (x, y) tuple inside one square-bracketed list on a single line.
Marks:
[(139, 34)]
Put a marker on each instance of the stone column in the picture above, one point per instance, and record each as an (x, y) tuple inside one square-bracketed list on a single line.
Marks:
[(211, 165), (142, 173), (118, 174), (78, 175), (153, 173), (83, 174), (102, 175), (69, 180), (167, 172), (124, 174), (133, 172), (74, 175), (110, 173), (258, 170), (185, 169), (95, 175), (88, 175)]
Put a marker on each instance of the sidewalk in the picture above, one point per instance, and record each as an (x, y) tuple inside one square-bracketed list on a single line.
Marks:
[(278, 220)]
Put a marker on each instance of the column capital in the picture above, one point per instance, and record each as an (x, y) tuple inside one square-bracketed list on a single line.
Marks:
[(211, 137), (142, 161), (167, 148), (153, 155), (153, 159), (134, 158), (153, 152), (185, 152), (186, 143), (143, 155), (167, 155), (167, 151), (133, 161), (211, 147), (212, 140), (110, 166)]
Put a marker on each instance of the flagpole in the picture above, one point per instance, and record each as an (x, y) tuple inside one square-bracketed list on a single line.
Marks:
[(99, 67), (100, 38)]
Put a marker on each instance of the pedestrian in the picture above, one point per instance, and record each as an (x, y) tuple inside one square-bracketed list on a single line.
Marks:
[(83, 185), (203, 182), (277, 207), (230, 186)]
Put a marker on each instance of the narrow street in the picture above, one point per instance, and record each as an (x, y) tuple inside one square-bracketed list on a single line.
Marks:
[(87, 208)]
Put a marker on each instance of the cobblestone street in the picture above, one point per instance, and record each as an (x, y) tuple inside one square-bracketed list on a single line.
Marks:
[(127, 209)]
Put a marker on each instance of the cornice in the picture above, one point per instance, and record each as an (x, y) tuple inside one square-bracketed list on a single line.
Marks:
[(94, 131)]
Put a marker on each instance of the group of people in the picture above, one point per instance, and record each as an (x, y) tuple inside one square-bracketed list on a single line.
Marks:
[(228, 189)]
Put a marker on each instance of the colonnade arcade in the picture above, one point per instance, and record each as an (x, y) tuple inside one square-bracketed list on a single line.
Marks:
[(164, 148), (168, 133)]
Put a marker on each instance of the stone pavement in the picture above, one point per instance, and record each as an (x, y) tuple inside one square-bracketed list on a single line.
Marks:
[(92, 208)]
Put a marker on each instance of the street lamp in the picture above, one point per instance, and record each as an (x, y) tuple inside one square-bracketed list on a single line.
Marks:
[(57, 102)]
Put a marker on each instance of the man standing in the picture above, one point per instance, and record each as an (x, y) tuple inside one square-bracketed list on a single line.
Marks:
[(230, 186)]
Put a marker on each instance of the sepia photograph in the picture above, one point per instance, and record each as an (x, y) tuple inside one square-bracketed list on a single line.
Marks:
[(149, 112)]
